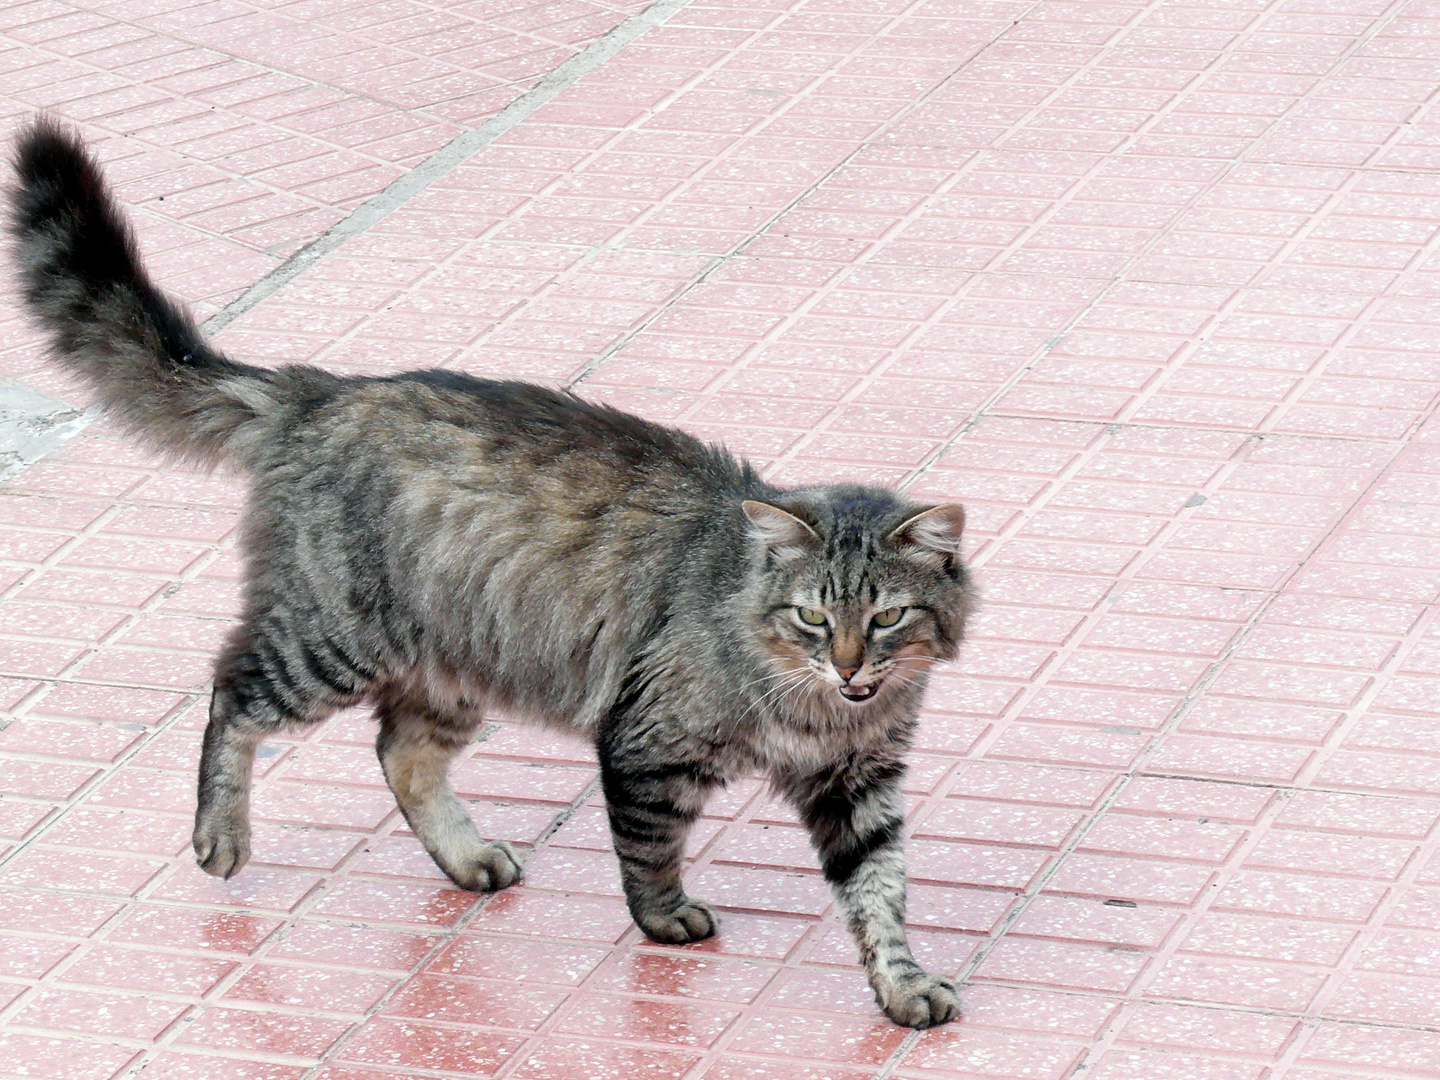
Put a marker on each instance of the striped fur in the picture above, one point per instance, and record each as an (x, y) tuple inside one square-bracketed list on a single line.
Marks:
[(438, 545)]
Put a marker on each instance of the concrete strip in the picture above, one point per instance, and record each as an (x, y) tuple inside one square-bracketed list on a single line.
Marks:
[(445, 159), (32, 424)]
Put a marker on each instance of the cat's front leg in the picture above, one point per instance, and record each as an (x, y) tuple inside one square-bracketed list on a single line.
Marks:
[(855, 814), (651, 808)]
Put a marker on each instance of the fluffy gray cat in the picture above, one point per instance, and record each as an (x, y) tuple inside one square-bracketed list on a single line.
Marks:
[(436, 544)]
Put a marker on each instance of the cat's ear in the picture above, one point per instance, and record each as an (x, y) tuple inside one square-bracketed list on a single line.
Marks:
[(934, 533), (783, 532)]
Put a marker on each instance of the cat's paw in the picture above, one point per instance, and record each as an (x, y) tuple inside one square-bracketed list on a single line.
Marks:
[(494, 866), (693, 920), (921, 1002), (222, 845)]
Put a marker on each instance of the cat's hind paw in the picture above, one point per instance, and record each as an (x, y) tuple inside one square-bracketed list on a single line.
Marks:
[(921, 1002), (693, 920)]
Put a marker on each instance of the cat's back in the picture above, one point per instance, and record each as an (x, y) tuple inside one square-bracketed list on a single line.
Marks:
[(454, 476), (506, 435)]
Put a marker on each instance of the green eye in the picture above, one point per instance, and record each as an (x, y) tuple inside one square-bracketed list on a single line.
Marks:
[(811, 617), (888, 617)]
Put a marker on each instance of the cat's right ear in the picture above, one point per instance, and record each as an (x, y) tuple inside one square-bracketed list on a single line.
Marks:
[(784, 533)]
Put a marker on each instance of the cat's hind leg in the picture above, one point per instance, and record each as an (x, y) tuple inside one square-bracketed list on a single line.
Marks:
[(416, 746), (264, 682)]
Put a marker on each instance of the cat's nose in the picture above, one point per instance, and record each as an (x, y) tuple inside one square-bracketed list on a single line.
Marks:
[(845, 672)]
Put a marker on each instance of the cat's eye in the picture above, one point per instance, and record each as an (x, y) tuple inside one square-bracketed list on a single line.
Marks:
[(811, 617), (888, 617)]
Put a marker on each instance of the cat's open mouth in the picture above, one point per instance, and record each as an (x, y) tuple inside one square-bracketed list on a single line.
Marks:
[(859, 693)]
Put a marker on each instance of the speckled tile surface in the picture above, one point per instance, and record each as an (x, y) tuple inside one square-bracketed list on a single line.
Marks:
[(1152, 288)]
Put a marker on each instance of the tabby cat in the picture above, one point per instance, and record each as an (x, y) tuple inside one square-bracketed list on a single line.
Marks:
[(435, 545)]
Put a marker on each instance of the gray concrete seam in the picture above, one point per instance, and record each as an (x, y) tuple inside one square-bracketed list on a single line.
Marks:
[(438, 164), (32, 424)]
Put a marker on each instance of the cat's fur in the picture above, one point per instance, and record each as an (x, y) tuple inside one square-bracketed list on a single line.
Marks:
[(434, 544)]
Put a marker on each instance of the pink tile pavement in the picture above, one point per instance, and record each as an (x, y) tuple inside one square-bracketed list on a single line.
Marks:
[(1150, 287)]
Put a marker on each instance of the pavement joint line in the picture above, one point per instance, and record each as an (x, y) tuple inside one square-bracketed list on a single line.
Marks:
[(443, 161), (33, 424), (302, 909), (80, 797), (191, 697), (1340, 972), (1123, 579), (1159, 957), (1311, 1017)]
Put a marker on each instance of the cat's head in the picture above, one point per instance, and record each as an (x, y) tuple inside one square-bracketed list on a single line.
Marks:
[(855, 592)]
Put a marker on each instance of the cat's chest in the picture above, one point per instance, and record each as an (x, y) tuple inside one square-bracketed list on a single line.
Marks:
[(778, 746)]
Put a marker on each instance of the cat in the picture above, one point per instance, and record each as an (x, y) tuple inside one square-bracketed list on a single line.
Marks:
[(432, 544)]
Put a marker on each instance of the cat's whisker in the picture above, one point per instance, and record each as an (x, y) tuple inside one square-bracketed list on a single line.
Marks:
[(792, 689), (766, 678), (798, 678)]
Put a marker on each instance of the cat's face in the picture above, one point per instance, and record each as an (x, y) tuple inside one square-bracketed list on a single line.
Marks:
[(859, 592)]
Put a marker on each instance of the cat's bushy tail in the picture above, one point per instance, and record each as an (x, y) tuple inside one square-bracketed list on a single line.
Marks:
[(107, 322)]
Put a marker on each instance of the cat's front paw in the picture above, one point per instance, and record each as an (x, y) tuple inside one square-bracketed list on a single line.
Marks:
[(921, 1001), (494, 866), (693, 920), (222, 845)]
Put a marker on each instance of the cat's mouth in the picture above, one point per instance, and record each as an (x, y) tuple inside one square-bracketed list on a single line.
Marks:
[(859, 693)]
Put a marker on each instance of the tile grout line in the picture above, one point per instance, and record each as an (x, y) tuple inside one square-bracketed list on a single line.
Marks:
[(357, 222), (1282, 793), (189, 700), (444, 160), (1137, 767), (98, 121), (715, 260), (1126, 575), (511, 1067), (288, 920), (816, 927), (49, 683), (1316, 219), (1310, 1021), (1156, 958), (1311, 1018), (409, 184)]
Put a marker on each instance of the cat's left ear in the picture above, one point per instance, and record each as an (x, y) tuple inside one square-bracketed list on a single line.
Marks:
[(933, 534)]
